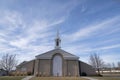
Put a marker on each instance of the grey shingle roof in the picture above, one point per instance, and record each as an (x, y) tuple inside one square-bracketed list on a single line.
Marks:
[(49, 54)]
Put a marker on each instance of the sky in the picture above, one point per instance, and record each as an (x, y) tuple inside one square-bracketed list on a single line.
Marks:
[(28, 28)]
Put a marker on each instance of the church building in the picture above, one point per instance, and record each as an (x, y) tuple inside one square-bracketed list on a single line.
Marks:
[(56, 62)]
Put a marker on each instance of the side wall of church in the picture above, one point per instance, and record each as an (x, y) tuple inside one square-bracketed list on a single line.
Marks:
[(86, 70), (27, 67)]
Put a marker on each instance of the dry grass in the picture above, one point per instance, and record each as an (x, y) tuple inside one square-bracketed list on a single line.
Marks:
[(111, 75), (57, 78), (107, 78), (11, 77)]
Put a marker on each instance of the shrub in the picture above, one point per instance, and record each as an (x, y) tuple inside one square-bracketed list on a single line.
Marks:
[(29, 73), (83, 74)]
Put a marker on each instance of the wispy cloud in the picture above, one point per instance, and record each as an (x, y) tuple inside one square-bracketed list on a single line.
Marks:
[(103, 48), (93, 29), (17, 36), (39, 29), (10, 19)]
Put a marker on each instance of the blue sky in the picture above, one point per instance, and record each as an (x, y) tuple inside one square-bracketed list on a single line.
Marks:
[(28, 27)]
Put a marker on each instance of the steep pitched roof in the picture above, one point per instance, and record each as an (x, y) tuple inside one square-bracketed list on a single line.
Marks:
[(49, 54)]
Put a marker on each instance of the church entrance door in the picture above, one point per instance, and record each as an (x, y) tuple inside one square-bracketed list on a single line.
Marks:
[(57, 65)]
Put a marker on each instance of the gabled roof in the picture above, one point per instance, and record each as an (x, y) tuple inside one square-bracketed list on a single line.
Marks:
[(49, 54)]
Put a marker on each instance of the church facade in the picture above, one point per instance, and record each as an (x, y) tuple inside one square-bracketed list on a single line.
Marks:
[(56, 62)]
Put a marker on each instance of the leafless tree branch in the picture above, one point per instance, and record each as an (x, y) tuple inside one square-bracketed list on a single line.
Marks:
[(8, 62), (96, 62)]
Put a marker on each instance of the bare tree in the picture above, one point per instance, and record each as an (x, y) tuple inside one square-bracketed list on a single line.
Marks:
[(8, 62), (96, 62), (113, 66), (118, 64)]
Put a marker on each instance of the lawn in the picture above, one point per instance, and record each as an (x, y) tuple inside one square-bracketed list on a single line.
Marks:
[(11, 77), (57, 78), (107, 78)]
